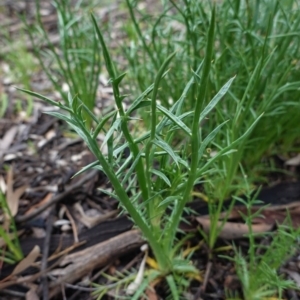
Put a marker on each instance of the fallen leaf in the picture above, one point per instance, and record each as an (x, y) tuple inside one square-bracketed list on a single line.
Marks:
[(268, 218), (13, 197), (151, 293), (74, 227), (231, 230), (7, 139), (232, 282), (294, 161), (133, 286), (27, 261), (46, 199), (32, 295), (90, 222), (2, 185)]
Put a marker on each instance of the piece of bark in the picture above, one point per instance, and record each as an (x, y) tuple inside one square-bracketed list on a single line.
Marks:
[(89, 238), (232, 230), (79, 264)]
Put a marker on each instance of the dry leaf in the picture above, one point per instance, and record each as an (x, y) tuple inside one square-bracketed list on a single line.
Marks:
[(232, 230), (74, 227), (90, 222), (133, 286), (294, 161), (151, 293), (8, 138), (2, 185), (268, 218), (27, 261), (13, 197), (32, 295), (45, 200)]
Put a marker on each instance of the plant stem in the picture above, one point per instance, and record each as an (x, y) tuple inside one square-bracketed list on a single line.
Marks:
[(162, 259), (195, 139), (141, 177)]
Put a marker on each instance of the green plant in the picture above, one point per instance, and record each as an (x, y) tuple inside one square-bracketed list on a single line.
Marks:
[(190, 137), (258, 274), (76, 60), (257, 41), (10, 250), (154, 179), (3, 104), (21, 65)]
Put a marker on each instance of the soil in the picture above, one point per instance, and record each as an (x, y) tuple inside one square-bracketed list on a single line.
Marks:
[(76, 230)]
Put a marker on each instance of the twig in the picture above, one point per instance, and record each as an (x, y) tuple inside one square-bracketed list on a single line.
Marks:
[(44, 262), (94, 277), (202, 288)]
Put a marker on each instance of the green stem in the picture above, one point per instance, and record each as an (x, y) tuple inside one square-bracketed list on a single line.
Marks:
[(148, 154), (195, 139), (141, 177), (162, 259), (140, 34)]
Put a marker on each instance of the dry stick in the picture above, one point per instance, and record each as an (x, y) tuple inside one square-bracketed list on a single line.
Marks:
[(27, 279), (206, 277), (99, 273), (81, 263), (202, 288), (57, 198), (44, 263), (22, 295)]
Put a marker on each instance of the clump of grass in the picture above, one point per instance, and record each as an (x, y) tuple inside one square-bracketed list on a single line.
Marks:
[(158, 177), (21, 65), (74, 64), (256, 41), (258, 271), (259, 274), (189, 135)]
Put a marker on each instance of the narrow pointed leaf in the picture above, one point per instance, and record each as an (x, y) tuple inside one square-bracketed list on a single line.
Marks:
[(162, 176), (163, 145), (124, 166), (61, 116), (139, 99), (211, 105), (119, 78), (111, 131), (142, 104), (86, 168), (173, 287), (102, 123), (89, 112), (175, 119), (233, 144), (49, 101), (209, 138), (168, 200), (108, 62), (132, 168)]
